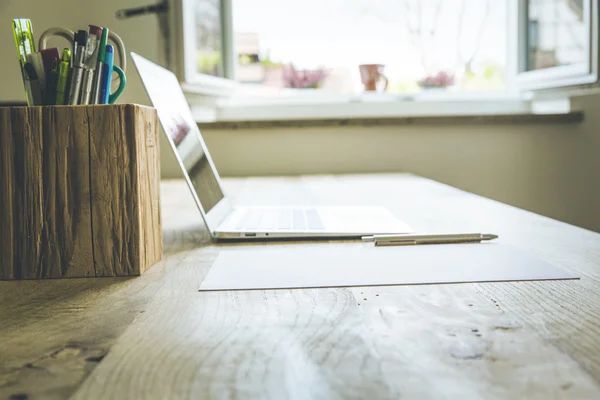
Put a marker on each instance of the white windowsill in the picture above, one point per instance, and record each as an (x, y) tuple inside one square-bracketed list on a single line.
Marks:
[(314, 106), (371, 107)]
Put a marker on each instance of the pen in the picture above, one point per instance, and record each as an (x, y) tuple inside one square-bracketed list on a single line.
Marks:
[(106, 97), (81, 38), (91, 60), (106, 75), (399, 240), (63, 77), (74, 50), (33, 86), (97, 81), (86, 86), (95, 34)]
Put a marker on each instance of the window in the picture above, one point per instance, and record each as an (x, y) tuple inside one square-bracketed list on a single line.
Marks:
[(558, 43), (209, 38), (278, 47), (421, 44)]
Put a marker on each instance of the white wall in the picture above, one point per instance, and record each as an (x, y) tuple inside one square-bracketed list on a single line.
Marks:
[(553, 170), (139, 34)]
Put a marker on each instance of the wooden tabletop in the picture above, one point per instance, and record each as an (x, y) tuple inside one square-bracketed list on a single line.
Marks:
[(156, 336)]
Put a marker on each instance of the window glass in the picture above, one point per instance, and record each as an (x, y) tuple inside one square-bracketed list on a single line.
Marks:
[(208, 37), (442, 45), (557, 33)]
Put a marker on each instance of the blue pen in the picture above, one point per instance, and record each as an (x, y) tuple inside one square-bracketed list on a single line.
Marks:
[(106, 74), (105, 96)]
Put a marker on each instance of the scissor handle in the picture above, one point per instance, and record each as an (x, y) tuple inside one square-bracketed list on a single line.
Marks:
[(62, 32), (70, 35), (122, 81), (120, 47)]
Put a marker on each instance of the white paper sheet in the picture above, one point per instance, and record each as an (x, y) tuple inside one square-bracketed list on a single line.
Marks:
[(371, 266)]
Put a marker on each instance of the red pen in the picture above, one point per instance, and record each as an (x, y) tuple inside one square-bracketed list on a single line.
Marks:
[(50, 60)]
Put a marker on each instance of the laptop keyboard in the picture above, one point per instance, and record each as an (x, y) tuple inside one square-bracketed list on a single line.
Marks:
[(291, 219)]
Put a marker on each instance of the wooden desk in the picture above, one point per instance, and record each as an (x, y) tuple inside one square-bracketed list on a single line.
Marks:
[(157, 337)]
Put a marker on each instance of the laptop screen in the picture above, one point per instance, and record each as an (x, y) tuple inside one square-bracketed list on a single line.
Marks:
[(176, 119)]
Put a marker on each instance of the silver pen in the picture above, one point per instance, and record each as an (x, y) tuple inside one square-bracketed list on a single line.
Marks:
[(91, 59), (100, 65), (401, 240), (78, 68), (96, 83), (86, 86)]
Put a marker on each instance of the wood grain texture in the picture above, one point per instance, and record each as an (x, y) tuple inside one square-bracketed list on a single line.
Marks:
[(7, 186), (158, 337), (45, 190), (432, 341), (61, 167), (54, 332), (65, 176), (144, 124), (125, 185)]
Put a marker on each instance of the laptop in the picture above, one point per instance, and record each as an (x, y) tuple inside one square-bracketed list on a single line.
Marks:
[(227, 221)]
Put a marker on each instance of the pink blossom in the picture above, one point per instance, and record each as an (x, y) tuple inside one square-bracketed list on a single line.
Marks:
[(440, 80), (294, 78)]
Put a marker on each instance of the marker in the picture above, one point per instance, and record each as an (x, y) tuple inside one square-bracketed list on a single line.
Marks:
[(63, 77), (50, 58), (81, 38), (97, 82), (51, 82), (23, 34)]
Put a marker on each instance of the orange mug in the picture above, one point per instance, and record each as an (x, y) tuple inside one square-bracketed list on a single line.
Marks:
[(371, 74)]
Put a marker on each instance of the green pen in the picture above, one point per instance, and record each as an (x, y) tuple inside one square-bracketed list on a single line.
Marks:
[(63, 77)]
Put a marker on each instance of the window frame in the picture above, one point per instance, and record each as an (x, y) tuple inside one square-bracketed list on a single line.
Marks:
[(583, 74), (183, 44)]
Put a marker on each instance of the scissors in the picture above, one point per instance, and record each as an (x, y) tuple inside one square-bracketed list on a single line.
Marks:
[(69, 35)]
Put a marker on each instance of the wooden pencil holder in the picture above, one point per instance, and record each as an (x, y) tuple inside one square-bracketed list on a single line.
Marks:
[(79, 191)]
